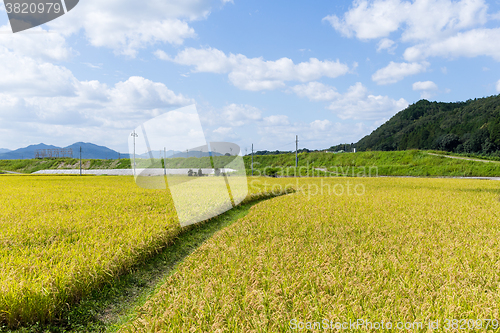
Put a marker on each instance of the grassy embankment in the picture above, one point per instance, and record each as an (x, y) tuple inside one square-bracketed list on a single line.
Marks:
[(30, 166), (404, 251), (397, 163)]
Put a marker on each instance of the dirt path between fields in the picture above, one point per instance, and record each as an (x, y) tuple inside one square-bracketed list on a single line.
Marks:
[(451, 177), (464, 158), (12, 172)]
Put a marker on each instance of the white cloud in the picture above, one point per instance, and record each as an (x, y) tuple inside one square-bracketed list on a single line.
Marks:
[(470, 44), (94, 113), (127, 26), (225, 131), (40, 92), (340, 26), (386, 44), (223, 134), (255, 74), (435, 19), (123, 105), (395, 72), (443, 28), (370, 20), (320, 133), (316, 91), (321, 125), (419, 20), (498, 86), (426, 88), (276, 120), (357, 103), (426, 94), (239, 115), (204, 60), (140, 93), (425, 85), (24, 76), (39, 45), (88, 64), (229, 123), (494, 16)]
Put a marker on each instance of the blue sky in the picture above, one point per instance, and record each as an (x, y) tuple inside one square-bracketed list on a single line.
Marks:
[(259, 72)]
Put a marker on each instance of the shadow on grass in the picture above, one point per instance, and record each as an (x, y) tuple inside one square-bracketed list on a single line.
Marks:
[(106, 309)]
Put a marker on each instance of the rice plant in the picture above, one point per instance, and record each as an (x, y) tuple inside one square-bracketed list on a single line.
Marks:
[(410, 251), (63, 236)]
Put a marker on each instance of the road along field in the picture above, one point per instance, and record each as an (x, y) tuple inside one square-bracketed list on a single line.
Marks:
[(420, 254), (63, 236)]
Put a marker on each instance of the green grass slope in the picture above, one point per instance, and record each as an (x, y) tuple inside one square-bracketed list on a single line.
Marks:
[(30, 166), (392, 163), (371, 163)]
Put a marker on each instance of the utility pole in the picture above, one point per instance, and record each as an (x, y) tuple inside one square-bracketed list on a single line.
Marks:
[(252, 159), (164, 161), (80, 160), (135, 136), (296, 153)]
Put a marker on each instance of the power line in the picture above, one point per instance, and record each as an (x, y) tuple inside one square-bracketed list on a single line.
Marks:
[(80, 160), (252, 159), (135, 135), (296, 153)]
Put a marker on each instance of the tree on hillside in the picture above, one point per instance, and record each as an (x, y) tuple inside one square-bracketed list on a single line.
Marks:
[(495, 132), (470, 127), (447, 142)]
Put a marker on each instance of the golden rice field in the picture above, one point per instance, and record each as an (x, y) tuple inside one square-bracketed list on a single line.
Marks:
[(63, 236), (403, 251)]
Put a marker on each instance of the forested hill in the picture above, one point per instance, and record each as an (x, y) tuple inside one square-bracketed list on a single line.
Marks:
[(470, 127)]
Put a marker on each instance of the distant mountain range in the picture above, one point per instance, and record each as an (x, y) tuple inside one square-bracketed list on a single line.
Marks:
[(92, 151), (193, 153), (157, 154), (175, 154), (89, 151)]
